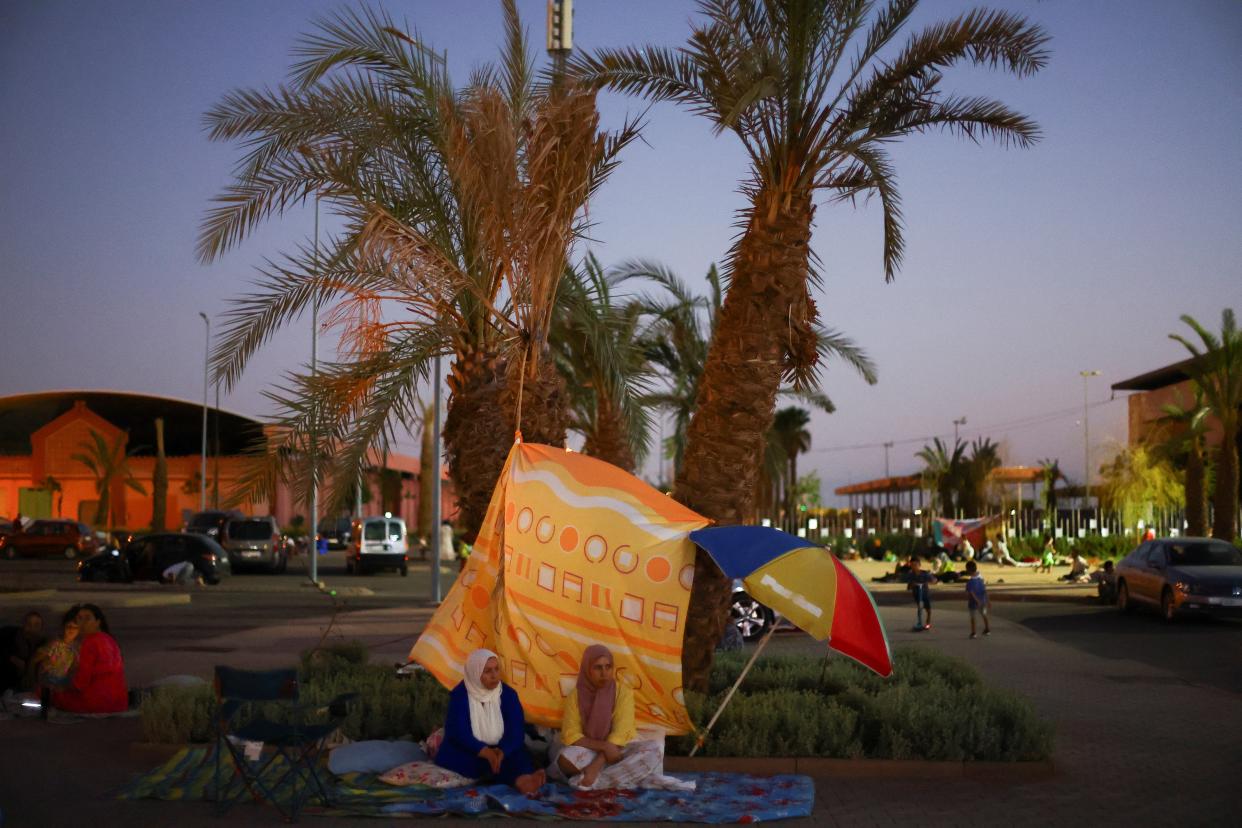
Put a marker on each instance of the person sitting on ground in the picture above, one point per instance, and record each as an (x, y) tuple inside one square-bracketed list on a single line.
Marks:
[(920, 587), (945, 571), (1049, 556), (57, 660), (1002, 554), (977, 598), (485, 728), (1078, 569), (966, 549), (598, 745), (988, 552), (18, 649), (97, 684), (900, 574), (1106, 583)]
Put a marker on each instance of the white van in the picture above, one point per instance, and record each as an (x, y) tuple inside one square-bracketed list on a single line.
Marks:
[(377, 543)]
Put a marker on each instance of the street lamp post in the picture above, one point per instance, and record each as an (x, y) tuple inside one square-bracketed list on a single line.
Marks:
[(436, 494), (314, 367), (960, 421), (1086, 445), (202, 491)]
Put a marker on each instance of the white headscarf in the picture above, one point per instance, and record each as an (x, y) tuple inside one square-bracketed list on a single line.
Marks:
[(486, 723)]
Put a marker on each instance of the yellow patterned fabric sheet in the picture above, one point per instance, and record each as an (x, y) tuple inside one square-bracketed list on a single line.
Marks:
[(573, 551)]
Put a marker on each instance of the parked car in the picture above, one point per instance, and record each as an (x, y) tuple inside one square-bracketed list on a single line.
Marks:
[(255, 542), (145, 559), (1179, 575), (378, 543), (337, 532), (751, 618), (50, 537), (211, 523)]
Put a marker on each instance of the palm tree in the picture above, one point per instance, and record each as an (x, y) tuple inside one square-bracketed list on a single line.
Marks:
[(1187, 444), (109, 464), (459, 212), (597, 342), (943, 470), (1217, 370), (1051, 473), (1136, 482), (159, 480), (814, 94), (54, 489), (984, 458), (789, 428)]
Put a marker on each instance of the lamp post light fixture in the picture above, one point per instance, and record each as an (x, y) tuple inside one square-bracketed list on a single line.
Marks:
[(1086, 445), (960, 421), (202, 489)]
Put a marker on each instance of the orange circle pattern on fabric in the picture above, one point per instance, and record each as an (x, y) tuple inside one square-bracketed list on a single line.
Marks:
[(479, 597), (545, 529), (625, 559), (595, 548), (524, 520), (658, 569), (569, 538), (510, 510)]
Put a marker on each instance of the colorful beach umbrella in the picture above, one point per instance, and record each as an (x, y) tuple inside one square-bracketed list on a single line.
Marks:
[(806, 584)]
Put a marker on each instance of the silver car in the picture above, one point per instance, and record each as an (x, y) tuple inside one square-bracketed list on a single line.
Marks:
[(1179, 575), (255, 542)]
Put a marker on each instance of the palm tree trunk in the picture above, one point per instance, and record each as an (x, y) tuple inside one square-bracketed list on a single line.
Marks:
[(481, 421), (1196, 491), (159, 481), (1225, 503), (610, 441), (736, 401)]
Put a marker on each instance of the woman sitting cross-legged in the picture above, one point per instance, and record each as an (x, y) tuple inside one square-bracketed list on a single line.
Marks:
[(97, 683), (484, 732), (598, 741)]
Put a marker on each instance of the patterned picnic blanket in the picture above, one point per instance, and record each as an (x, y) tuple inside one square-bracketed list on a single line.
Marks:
[(719, 797)]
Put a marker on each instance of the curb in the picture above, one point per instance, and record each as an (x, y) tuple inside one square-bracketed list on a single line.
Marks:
[(107, 599), (825, 768)]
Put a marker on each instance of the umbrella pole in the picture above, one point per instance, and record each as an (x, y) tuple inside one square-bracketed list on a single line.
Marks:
[(763, 642)]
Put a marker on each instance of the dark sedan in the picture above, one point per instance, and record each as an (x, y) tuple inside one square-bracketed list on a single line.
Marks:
[(1178, 575), (148, 557)]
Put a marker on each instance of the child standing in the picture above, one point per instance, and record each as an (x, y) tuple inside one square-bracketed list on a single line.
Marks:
[(977, 598), (920, 585)]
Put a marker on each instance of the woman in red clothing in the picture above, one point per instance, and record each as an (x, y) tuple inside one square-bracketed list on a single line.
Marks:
[(98, 683)]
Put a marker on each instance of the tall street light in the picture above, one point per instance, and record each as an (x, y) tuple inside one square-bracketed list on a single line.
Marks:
[(314, 368), (1086, 445), (960, 421), (202, 493)]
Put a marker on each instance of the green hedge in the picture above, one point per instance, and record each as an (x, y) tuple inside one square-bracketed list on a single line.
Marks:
[(933, 707)]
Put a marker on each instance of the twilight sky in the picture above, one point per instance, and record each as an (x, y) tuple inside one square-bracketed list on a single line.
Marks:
[(1022, 267)]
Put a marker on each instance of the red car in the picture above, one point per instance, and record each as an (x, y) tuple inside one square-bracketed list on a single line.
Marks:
[(67, 538)]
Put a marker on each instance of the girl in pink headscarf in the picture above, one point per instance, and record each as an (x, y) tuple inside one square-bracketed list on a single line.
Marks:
[(598, 745)]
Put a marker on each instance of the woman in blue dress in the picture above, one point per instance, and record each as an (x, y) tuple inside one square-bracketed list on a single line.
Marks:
[(484, 731)]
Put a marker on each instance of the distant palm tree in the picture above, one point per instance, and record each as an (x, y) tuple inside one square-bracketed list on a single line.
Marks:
[(943, 473), (984, 458), (109, 464), (1187, 444), (789, 428), (815, 97), (54, 489), (1050, 474), (1217, 370)]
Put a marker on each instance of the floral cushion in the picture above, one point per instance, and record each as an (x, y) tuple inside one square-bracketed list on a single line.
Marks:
[(425, 773)]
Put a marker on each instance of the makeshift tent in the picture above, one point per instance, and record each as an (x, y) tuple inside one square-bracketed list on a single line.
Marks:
[(949, 533), (573, 551)]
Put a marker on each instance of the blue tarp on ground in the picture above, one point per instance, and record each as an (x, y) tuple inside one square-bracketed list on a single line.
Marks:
[(719, 798)]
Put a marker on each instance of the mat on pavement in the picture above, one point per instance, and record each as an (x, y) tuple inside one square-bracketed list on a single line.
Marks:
[(719, 797)]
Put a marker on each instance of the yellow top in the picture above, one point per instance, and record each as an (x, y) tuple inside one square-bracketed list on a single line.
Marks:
[(622, 732)]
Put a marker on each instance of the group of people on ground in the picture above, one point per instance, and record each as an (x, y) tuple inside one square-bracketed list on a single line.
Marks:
[(598, 746), (80, 671)]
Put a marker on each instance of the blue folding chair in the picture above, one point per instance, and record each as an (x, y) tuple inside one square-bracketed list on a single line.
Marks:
[(262, 706)]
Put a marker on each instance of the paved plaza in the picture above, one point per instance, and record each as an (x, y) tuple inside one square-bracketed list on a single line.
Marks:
[(1147, 716)]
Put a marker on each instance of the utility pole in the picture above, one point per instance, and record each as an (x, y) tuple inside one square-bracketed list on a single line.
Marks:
[(202, 495), (313, 442), (436, 495), (1086, 445), (960, 421), (560, 33)]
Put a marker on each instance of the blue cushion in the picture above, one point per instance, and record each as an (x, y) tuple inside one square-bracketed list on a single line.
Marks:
[(373, 757)]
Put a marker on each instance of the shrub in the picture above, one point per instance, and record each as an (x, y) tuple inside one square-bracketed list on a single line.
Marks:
[(933, 707), (178, 714)]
